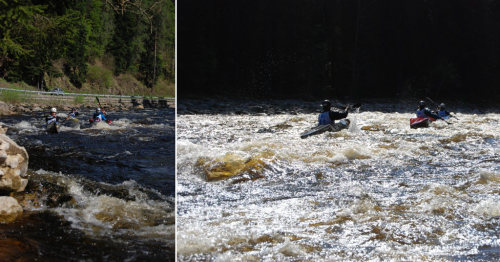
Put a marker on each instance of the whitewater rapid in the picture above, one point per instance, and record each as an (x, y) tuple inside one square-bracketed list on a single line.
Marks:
[(97, 192), (249, 189)]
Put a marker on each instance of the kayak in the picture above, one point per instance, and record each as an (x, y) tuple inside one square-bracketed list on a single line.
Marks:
[(74, 122), (109, 122), (342, 124), (53, 128), (421, 122), (446, 117)]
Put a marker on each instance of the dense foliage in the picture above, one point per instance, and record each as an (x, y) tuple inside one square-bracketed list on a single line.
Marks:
[(336, 48), (134, 36)]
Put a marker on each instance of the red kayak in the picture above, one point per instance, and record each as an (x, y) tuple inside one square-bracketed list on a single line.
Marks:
[(421, 122)]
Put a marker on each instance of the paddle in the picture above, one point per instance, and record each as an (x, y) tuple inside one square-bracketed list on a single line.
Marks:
[(434, 103), (357, 105), (446, 121), (100, 104), (108, 120)]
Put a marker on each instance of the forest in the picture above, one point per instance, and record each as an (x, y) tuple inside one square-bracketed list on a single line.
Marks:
[(90, 44), (447, 49)]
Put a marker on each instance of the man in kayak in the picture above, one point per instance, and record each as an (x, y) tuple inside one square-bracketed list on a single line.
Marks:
[(74, 113), (442, 111), (423, 112), (328, 117), (99, 115), (52, 118)]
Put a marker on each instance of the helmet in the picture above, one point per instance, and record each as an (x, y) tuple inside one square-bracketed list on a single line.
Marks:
[(74, 109), (422, 103), (442, 105), (53, 110), (326, 105), (98, 109)]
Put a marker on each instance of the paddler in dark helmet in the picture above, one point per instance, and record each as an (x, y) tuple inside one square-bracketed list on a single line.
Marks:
[(328, 117), (423, 112), (442, 111), (74, 113)]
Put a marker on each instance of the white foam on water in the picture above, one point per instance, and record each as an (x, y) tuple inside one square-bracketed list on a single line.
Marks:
[(108, 216), (383, 192), (24, 125)]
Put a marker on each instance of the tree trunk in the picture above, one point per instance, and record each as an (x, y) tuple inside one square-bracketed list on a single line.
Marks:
[(154, 67)]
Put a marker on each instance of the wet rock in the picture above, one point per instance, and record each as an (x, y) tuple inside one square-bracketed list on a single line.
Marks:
[(13, 165), (139, 107), (37, 109), (232, 165), (10, 210), (22, 109)]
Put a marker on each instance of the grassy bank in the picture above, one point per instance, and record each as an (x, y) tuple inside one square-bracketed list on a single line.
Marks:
[(100, 80)]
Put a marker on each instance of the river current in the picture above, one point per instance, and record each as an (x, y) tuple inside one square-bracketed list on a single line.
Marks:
[(95, 193), (249, 189)]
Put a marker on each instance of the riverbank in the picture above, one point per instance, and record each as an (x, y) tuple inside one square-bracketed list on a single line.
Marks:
[(38, 103)]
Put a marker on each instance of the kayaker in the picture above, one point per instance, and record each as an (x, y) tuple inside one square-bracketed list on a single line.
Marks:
[(74, 113), (328, 117), (52, 117), (99, 115), (442, 111), (423, 112)]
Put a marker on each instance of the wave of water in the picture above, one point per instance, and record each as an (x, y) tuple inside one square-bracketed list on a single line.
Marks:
[(250, 189)]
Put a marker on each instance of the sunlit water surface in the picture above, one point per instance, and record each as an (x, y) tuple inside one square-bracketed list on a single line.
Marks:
[(95, 193), (249, 189)]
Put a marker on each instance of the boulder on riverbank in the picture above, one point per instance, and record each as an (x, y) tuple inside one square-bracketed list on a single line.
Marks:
[(10, 210), (13, 166)]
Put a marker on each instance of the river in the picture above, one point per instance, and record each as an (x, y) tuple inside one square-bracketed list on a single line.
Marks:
[(249, 189), (96, 193)]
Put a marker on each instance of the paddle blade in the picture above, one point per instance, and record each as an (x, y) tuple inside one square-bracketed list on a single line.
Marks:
[(356, 105)]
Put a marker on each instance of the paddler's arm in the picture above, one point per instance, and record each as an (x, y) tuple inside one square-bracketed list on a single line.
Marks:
[(337, 115), (428, 113)]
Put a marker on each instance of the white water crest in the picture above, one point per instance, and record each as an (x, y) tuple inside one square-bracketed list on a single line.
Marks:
[(249, 189), (102, 215)]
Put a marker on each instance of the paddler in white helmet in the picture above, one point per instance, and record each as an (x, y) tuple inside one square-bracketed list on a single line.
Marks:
[(99, 115), (328, 117), (52, 117)]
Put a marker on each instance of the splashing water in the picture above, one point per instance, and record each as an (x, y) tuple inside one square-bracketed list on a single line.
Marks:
[(96, 193), (250, 189)]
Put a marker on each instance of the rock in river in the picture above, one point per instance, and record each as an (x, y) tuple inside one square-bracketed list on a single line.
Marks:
[(10, 210)]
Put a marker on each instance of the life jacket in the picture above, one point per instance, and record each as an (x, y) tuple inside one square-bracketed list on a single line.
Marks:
[(421, 113), (51, 119), (442, 113), (324, 118), (99, 117)]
